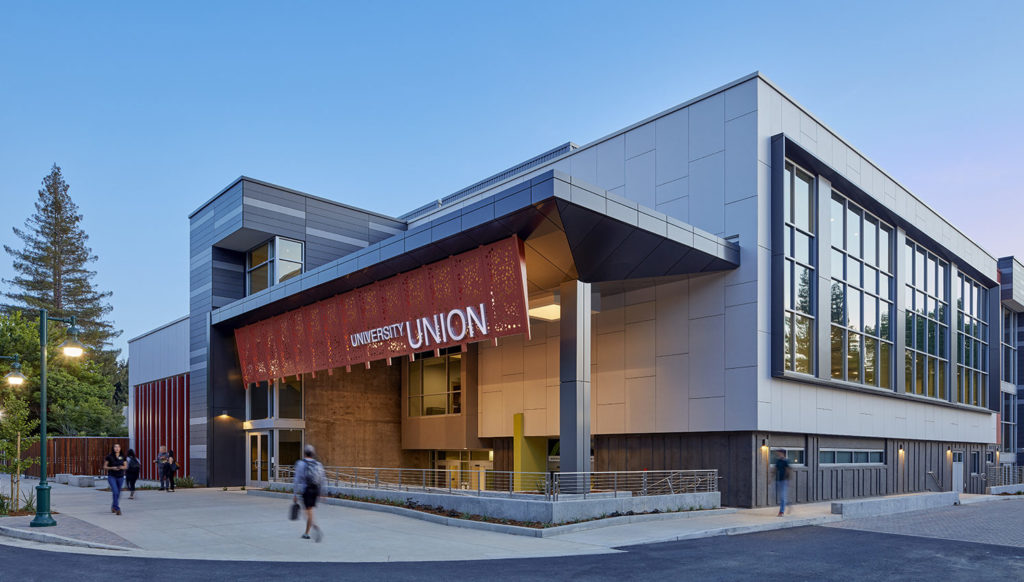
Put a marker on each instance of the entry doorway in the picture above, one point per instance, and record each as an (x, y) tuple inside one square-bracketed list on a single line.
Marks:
[(958, 471), (260, 446)]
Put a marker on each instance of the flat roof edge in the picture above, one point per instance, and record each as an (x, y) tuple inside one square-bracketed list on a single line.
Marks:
[(158, 328), (244, 178)]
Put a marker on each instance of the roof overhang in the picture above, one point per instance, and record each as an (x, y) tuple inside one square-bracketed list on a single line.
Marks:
[(572, 230)]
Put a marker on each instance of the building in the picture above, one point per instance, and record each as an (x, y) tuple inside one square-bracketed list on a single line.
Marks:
[(721, 279)]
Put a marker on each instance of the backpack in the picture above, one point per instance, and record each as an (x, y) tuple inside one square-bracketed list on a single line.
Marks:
[(133, 465), (314, 473)]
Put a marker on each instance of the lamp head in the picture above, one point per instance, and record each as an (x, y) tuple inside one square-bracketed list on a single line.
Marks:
[(15, 377), (71, 347)]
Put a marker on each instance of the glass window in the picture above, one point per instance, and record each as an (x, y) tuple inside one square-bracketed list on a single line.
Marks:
[(258, 398), (850, 456), (860, 295), (1009, 347), (435, 386), (799, 272), (927, 323), (795, 456), (289, 446), (972, 310), (272, 262), (289, 395)]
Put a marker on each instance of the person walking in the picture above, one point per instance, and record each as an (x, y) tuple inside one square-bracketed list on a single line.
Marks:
[(309, 483), (115, 464), (160, 461), (131, 474), (782, 471), (171, 468)]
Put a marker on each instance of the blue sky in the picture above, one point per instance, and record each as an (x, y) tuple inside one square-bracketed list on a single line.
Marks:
[(150, 110)]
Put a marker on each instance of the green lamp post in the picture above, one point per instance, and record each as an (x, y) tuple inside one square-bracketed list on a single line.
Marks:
[(71, 348), (14, 377)]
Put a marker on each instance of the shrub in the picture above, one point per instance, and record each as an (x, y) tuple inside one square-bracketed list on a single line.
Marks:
[(184, 482)]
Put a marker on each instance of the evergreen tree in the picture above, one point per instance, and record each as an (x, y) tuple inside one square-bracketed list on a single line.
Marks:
[(52, 269)]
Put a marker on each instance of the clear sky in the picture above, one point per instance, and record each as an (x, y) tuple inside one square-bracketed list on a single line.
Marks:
[(152, 109)]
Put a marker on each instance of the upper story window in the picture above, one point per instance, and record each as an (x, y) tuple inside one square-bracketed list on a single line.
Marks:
[(276, 260), (927, 322), (861, 295), (435, 386), (799, 209), (1009, 346), (277, 399), (972, 342)]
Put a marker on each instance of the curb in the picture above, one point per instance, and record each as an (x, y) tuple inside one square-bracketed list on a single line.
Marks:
[(737, 530), (45, 538), (502, 528)]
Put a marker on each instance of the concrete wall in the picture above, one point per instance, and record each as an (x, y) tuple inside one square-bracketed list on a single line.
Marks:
[(354, 418)]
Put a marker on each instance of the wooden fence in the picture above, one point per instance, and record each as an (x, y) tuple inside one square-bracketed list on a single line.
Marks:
[(75, 455)]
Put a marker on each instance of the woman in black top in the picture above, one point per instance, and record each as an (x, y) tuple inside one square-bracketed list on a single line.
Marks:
[(115, 464), (131, 474)]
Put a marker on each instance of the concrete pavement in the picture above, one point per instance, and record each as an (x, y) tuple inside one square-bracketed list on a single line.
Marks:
[(212, 524)]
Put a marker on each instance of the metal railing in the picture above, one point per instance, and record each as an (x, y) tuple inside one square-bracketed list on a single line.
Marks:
[(487, 482), (996, 476)]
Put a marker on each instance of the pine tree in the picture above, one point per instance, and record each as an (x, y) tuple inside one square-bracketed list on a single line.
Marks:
[(52, 268)]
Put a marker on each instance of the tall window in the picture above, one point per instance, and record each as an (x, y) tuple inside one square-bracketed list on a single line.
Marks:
[(1009, 342), (861, 295), (972, 343), (274, 261), (435, 386), (799, 209), (277, 399), (1009, 416), (927, 322)]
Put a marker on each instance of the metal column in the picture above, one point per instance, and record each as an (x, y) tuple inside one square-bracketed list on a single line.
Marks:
[(574, 386)]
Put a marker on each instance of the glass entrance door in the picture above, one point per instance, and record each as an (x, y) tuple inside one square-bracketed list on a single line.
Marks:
[(958, 471), (261, 459)]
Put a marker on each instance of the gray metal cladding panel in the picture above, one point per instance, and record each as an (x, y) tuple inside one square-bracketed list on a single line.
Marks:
[(351, 227), (274, 196), (293, 228)]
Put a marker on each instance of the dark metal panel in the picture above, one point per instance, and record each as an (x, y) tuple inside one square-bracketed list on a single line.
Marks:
[(778, 248)]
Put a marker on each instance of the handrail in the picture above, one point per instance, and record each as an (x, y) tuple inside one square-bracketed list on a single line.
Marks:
[(934, 478), (488, 482)]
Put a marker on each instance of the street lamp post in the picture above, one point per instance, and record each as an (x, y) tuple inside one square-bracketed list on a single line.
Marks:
[(14, 377), (71, 348)]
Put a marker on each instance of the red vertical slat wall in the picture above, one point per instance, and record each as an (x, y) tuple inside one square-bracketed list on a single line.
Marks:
[(161, 418)]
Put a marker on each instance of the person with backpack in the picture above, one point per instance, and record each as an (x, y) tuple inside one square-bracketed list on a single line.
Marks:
[(309, 483), (131, 475)]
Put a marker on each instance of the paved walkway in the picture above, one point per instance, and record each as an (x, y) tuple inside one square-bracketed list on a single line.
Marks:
[(212, 524)]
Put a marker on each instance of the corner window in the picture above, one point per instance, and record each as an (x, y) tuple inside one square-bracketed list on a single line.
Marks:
[(435, 386), (272, 262), (1009, 346)]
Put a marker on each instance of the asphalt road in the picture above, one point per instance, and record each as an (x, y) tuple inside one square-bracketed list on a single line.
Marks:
[(808, 553)]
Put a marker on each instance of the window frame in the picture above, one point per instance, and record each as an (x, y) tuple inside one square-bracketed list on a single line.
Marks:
[(273, 262), (447, 355), (274, 401), (853, 455), (791, 263)]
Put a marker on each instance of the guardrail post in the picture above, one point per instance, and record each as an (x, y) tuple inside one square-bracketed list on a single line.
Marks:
[(643, 490), (511, 478), (399, 478), (376, 478), (615, 484), (355, 477)]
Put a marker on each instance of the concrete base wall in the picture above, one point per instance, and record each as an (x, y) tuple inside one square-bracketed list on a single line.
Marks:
[(998, 489), (539, 510), (896, 504)]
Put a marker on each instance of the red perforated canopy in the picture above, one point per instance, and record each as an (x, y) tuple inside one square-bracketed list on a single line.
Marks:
[(474, 296)]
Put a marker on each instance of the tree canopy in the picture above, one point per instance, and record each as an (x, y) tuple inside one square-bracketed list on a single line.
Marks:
[(52, 268)]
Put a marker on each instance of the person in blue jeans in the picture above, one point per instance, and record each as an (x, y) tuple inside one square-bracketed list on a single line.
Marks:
[(115, 464), (781, 479)]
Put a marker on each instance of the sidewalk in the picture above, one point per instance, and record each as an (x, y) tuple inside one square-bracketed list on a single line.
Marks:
[(231, 525)]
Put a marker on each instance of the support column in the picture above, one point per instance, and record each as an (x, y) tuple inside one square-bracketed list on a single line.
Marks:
[(574, 386)]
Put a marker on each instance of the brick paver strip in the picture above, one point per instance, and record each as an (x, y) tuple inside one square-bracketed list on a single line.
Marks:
[(70, 527), (995, 522)]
